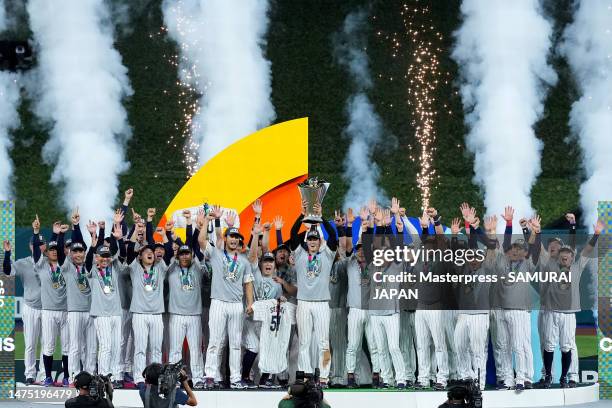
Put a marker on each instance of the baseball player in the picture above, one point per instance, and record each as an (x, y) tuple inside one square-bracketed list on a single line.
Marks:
[(428, 318), (276, 318), (147, 275), (358, 294), (231, 281), (313, 263), (513, 303), (53, 297), (104, 277), (31, 307), (560, 302), (384, 313)]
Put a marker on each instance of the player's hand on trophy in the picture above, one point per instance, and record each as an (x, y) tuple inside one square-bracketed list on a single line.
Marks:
[(304, 207), (455, 223), (395, 205), (257, 207), (36, 225), (508, 214), (318, 210), (75, 217)]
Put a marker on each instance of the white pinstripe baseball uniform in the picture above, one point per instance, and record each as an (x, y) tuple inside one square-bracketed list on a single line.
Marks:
[(147, 307), (107, 313), (126, 355), (313, 277), (338, 286), (276, 320), (229, 273), (185, 308), (31, 311)]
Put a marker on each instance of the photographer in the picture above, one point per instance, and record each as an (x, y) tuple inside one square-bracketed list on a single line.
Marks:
[(304, 393), (150, 390), (466, 394), (85, 382)]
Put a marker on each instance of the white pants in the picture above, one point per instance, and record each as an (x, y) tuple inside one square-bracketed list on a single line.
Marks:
[(559, 329), (471, 336), (224, 320), (337, 340), (182, 326), (387, 332), (313, 317), (148, 331), (108, 329), (407, 338), (429, 326), (499, 340), (514, 336), (358, 323), (126, 356), (83, 344), (449, 317), (55, 322), (31, 336), (250, 334)]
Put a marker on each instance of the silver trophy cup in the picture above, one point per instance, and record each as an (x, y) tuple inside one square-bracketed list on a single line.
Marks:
[(312, 191)]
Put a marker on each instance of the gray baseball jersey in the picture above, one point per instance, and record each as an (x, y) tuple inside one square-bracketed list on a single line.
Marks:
[(185, 293), (507, 294), (430, 293), (383, 306), (106, 302), (78, 292), (24, 270), (52, 285), (358, 279), (229, 273), (287, 272), (264, 287), (338, 284), (472, 298), (564, 296), (313, 272), (147, 287)]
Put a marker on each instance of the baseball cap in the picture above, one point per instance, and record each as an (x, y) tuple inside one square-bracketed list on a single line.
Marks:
[(268, 256), (82, 380), (103, 251), (67, 243), (148, 246), (313, 233), (555, 239), (184, 249), (41, 239), (158, 245), (567, 248), (52, 245), (77, 246), (282, 246), (233, 231), (521, 244)]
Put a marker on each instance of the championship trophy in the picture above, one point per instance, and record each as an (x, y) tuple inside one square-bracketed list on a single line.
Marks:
[(312, 191)]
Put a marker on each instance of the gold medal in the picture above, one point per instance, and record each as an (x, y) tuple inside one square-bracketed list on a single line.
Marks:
[(148, 288), (186, 287), (81, 287), (107, 289), (56, 285)]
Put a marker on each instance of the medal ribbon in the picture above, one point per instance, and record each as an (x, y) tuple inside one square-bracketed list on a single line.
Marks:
[(106, 274), (55, 273), (312, 262), (185, 277), (150, 278), (232, 262)]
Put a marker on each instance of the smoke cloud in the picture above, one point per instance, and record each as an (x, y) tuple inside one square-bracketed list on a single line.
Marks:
[(587, 45), (502, 50), (364, 128), (221, 45), (81, 84)]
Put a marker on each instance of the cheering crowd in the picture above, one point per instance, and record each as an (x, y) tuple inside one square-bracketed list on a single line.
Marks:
[(133, 296)]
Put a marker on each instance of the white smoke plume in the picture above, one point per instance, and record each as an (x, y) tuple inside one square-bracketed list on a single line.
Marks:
[(9, 118), (502, 50), (364, 128), (588, 47), (221, 46), (81, 83)]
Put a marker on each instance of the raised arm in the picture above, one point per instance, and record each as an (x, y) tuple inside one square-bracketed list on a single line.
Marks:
[(61, 255), (278, 228), (127, 197), (252, 256), (90, 253), (168, 241), (350, 218), (149, 225), (36, 254), (77, 235), (571, 219), (6, 264), (597, 230), (508, 216), (294, 240)]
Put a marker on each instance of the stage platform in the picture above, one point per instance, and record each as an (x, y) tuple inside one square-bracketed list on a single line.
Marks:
[(365, 398)]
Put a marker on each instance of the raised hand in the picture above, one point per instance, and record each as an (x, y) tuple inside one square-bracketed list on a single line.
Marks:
[(350, 217), (257, 229), (465, 210), (169, 225), (7, 246), (266, 226), (372, 205), (399, 224), (278, 222), (363, 213), (75, 217), (215, 211), (318, 210), (471, 215), (571, 218), (57, 226), (378, 216), (598, 227), (257, 207), (535, 223), (91, 227), (402, 212), (101, 224), (523, 222), (386, 217), (304, 207), (475, 223), (395, 205), (200, 219), (64, 228), (187, 214), (117, 233), (455, 226), (129, 193), (432, 212), (118, 217), (491, 224), (508, 214), (338, 220), (230, 219), (36, 225), (150, 214), (424, 220)]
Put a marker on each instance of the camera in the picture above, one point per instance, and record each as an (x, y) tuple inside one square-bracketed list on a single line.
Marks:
[(170, 375), (468, 392), (98, 386), (306, 390)]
